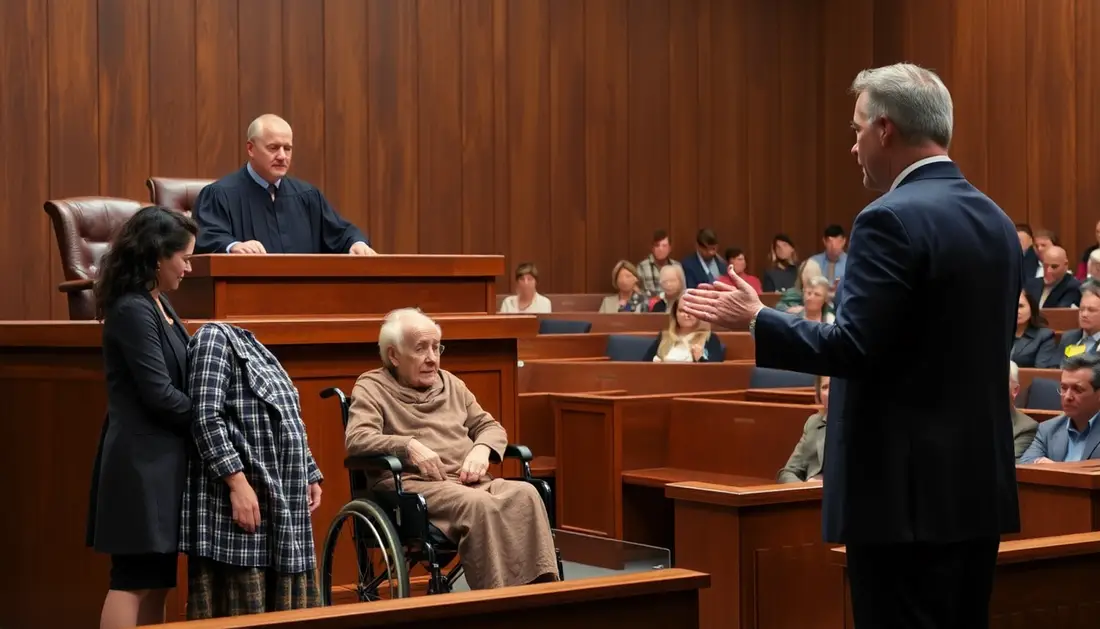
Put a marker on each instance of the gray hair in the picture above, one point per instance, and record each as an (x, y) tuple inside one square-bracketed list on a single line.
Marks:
[(257, 127), (1088, 361), (819, 281), (1013, 372), (1095, 256), (1091, 286), (912, 97), (396, 326)]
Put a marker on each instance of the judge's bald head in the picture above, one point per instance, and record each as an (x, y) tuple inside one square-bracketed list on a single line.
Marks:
[(270, 142), (409, 342)]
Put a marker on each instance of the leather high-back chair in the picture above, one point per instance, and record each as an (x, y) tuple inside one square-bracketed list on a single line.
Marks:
[(84, 227), (175, 193)]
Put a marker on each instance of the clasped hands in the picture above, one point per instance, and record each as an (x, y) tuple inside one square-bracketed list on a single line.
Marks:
[(474, 467)]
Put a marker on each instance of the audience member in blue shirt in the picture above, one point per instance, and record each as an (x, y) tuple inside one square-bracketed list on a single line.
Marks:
[(1073, 435)]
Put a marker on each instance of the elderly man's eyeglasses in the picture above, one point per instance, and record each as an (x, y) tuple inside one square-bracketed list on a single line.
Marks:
[(420, 351)]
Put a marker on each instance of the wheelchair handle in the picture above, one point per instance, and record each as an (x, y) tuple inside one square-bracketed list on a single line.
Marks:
[(344, 406)]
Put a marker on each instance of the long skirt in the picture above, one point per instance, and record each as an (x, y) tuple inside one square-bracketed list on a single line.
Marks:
[(216, 590)]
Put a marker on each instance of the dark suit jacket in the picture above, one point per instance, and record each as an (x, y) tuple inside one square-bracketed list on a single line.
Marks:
[(902, 435), (141, 466), (1070, 337), (1065, 293), (1036, 348), (808, 456), (694, 273), (1030, 264)]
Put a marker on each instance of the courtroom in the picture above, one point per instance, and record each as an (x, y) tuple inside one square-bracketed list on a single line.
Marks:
[(654, 314)]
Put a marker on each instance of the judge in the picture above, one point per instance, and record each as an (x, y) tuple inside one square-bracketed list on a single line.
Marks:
[(258, 209)]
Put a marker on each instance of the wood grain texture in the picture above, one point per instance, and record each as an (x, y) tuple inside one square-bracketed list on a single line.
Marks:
[(560, 132)]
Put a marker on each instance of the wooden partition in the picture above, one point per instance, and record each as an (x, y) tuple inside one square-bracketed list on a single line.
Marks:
[(739, 345), (760, 544), (1061, 319), (590, 302), (620, 322), (535, 428), (1043, 582), (51, 379), (222, 286), (659, 599), (635, 378), (1058, 498), (649, 440)]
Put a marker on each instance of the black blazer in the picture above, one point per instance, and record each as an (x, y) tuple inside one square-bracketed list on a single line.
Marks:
[(904, 466), (1036, 348), (141, 465), (1065, 293)]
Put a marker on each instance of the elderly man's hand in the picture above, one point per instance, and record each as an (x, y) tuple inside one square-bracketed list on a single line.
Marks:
[(728, 306), (426, 460), (475, 466), (361, 249)]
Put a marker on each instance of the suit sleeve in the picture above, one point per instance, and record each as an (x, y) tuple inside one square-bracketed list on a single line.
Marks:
[(876, 297), (795, 469), (213, 214), (1047, 355), (1024, 440), (337, 233), (210, 377), (1037, 449), (134, 328)]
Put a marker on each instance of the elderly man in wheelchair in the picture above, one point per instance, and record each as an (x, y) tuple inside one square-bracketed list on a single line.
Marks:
[(419, 447)]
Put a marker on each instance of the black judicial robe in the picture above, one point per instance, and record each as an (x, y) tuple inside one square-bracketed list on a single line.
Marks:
[(300, 220)]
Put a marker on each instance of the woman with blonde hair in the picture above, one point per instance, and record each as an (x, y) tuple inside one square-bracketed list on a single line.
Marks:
[(629, 296), (791, 301), (685, 340)]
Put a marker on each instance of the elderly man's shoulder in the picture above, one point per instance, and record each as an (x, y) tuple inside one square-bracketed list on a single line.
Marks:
[(1021, 422)]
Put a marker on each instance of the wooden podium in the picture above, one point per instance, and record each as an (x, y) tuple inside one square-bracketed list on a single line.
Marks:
[(232, 286)]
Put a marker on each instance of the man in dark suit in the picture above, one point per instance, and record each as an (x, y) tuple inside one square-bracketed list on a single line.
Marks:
[(919, 482), (1057, 287), (1086, 338), (703, 267)]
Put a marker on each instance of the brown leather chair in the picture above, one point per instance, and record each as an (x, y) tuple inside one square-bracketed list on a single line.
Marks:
[(174, 193), (84, 227)]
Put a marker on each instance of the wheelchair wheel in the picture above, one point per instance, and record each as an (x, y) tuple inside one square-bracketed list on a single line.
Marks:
[(371, 530)]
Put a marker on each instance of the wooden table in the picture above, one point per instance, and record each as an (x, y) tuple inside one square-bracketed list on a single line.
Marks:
[(222, 286), (51, 381), (1056, 499)]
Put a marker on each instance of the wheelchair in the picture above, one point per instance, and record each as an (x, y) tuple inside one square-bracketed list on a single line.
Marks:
[(395, 524)]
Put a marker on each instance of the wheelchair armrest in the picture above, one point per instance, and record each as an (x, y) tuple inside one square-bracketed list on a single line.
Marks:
[(516, 451), (377, 463)]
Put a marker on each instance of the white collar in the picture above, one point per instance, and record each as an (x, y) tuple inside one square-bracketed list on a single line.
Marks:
[(917, 164)]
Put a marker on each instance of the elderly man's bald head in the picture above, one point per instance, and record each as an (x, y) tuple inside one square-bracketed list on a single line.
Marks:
[(1054, 253), (270, 143)]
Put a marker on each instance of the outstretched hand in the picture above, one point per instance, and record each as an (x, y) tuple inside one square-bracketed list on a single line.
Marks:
[(728, 306)]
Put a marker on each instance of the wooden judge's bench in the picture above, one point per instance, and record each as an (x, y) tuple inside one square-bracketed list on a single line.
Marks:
[(320, 315)]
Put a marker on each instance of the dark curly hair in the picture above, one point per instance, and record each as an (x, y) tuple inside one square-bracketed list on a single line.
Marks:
[(130, 265)]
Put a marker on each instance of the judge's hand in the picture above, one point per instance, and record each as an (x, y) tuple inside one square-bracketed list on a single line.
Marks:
[(1042, 459), (475, 465), (728, 306), (249, 246), (361, 249), (426, 460), (246, 507), (314, 496)]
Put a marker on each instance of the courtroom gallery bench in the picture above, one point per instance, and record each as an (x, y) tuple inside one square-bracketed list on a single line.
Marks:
[(657, 599), (739, 345), (567, 376)]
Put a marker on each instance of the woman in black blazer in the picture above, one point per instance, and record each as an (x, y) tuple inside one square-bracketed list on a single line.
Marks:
[(1034, 344), (141, 465)]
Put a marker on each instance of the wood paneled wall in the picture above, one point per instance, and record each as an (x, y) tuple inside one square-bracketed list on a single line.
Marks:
[(558, 131)]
